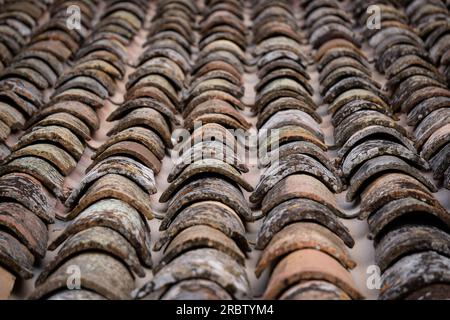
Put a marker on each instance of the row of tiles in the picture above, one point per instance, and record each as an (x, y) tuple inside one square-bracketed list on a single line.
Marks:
[(377, 155)]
